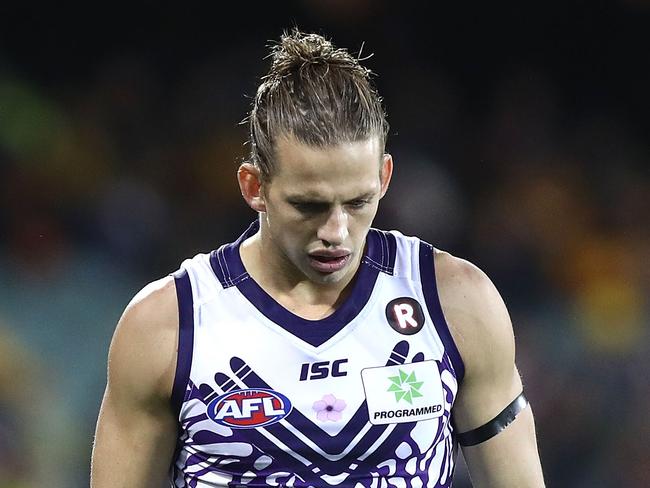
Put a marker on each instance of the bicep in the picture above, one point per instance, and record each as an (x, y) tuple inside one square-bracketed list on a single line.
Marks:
[(482, 329), (133, 446)]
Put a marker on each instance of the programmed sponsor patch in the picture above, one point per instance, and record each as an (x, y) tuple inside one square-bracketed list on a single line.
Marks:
[(403, 393)]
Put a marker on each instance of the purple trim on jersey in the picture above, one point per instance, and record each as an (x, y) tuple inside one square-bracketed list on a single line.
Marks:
[(430, 290), (185, 337), (379, 257), (381, 251)]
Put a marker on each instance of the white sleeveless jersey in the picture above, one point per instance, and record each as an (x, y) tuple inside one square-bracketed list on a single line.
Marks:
[(361, 398)]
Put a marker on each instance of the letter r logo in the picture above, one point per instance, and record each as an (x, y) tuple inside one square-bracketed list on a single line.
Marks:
[(405, 315)]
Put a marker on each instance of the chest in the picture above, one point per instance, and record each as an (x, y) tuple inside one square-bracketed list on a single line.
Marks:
[(373, 398)]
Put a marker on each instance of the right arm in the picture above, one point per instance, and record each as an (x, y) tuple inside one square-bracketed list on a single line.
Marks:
[(482, 330), (136, 428)]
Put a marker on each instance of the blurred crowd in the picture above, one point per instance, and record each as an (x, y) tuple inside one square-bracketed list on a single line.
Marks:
[(109, 180)]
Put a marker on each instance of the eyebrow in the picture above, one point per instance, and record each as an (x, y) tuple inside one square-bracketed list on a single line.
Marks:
[(299, 198)]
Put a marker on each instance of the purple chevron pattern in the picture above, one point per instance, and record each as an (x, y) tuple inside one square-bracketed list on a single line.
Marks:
[(296, 452)]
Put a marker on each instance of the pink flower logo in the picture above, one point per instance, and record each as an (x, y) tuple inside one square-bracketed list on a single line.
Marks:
[(329, 408)]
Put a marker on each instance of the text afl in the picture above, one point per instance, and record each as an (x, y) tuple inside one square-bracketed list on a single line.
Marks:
[(249, 408)]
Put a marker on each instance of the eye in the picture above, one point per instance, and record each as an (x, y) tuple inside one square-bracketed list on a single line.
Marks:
[(358, 203), (309, 207)]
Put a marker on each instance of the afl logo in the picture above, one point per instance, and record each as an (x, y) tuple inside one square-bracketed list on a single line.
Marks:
[(405, 315), (247, 409)]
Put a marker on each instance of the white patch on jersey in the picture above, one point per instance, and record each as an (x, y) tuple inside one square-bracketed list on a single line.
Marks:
[(403, 393)]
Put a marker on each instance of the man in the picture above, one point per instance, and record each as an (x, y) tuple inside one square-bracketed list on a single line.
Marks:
[(314, 350)]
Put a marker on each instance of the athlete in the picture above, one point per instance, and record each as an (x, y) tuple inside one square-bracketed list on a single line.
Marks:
[(315, 350)]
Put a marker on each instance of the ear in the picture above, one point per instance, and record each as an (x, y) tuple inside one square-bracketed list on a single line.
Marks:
[(250, 184), (386, 173)]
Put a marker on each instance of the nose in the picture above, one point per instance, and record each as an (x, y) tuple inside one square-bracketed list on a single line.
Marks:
[(334, 230)]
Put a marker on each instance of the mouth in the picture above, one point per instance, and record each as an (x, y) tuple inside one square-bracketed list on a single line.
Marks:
[(330, 262)]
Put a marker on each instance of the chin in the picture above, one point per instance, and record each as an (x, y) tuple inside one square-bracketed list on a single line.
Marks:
[(327, 278)]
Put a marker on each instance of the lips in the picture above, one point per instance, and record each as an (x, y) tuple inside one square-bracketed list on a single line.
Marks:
[(329, 262)]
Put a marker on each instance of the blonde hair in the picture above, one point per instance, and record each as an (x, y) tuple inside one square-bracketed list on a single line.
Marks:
[(317, 93)]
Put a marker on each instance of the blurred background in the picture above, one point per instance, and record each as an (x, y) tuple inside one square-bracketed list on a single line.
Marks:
[(521, 143)]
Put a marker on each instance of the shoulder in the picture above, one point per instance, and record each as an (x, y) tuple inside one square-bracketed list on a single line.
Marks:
[(476, 315), (151, 304), (142, 356)]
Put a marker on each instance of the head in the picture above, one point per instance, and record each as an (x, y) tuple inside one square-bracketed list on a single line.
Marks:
[(317, 167)]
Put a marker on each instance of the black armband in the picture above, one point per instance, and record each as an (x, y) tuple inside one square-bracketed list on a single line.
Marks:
[(494, 426)]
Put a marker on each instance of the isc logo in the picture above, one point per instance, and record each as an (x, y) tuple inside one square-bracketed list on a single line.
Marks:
[(247, 409), (322, 369)]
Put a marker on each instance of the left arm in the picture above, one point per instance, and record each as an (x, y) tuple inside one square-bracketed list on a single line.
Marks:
[(481, 327)]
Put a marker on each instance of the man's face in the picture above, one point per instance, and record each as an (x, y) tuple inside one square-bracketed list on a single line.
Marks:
[(320, 203)]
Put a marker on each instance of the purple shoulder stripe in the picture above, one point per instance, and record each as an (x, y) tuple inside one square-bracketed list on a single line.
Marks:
[(381, 251), (226, 262), (185, 337), (430, 290)]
